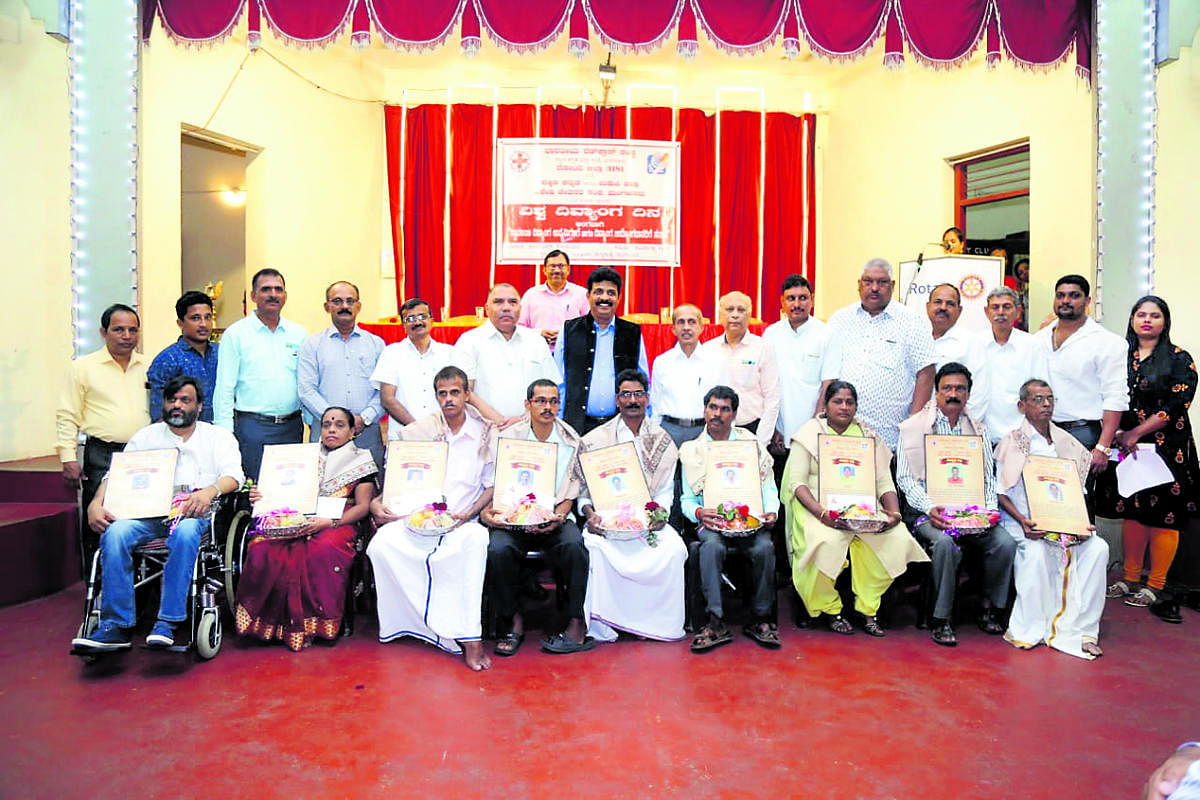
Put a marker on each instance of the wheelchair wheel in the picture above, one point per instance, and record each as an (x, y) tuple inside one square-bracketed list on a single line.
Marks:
[(235, 554), (208, 634), (89, 624)]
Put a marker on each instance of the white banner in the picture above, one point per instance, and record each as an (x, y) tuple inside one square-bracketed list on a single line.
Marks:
[(974, 276), (602, 201)]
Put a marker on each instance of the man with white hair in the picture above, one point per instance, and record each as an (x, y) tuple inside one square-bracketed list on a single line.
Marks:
[(887, 353), (1012, 359), (750, 364)]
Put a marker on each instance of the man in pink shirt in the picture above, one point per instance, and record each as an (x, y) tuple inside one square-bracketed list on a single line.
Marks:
[(548, 305)]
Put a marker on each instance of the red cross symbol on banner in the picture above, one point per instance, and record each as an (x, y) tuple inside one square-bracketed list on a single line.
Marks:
[(520, 161)]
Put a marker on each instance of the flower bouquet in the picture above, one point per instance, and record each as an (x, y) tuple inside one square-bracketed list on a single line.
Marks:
[(528, 515), (432, 519), (736, 520), (175, 515), (970, 519), (858, 518), (630, 523), (281, 523)]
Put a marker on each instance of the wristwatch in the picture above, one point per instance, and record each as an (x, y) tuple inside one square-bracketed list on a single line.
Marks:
[(1106, 450)]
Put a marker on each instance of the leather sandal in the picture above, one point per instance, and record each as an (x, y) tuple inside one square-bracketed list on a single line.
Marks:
[(943, 634), (765, 633), (711, 636), (839, 624), (871, 626)]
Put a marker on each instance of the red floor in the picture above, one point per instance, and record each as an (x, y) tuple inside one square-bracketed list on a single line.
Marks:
[(827, 716)]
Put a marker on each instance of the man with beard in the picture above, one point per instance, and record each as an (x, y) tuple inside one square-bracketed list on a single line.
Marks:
[(257, 397), (1012, 358), (592, 349), (952, 343), (930, 524), (192, 354), (208, 466), (335, 370), (404, 373), (548, 305), (1086, 367)]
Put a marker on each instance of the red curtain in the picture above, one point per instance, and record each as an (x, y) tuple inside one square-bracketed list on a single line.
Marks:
[(698, 154), (784, 197), (651, 286), (470, 206), (424, 204), (517, 122), (737, 242)]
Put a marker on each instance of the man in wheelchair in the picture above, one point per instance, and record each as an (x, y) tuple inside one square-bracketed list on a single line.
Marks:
[(209, 465)]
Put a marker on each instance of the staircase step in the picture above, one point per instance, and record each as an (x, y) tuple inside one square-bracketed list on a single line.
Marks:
[(39, 549)]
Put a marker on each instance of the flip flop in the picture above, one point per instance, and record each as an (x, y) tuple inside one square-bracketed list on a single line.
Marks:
[(513, 643), (561, 644)]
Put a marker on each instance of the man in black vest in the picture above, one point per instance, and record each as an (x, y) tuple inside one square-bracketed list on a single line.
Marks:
[(592, 349)]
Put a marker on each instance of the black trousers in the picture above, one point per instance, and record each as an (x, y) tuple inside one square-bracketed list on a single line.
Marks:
[(564, 550), (97, 457)]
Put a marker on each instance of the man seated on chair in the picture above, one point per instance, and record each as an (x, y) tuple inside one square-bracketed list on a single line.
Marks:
[(632, 586), (720, 408), (429, 587), (209, 465), (562, 542), (947, 415), (1060, 586)]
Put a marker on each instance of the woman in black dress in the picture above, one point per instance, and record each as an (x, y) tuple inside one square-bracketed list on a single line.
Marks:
[(1162, 382)]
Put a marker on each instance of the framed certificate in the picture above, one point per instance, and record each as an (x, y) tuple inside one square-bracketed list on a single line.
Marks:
[(289, 478), (614, 476), (141, 484), (731, 473), (1055, 495), (954, 470), (525, 468), (415, 475), (846, 472)]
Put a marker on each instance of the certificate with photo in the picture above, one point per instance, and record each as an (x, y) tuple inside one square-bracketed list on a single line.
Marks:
[(525, 468), (1055, 495), (415, 475), (954, 470), (731, 473), (141, 484), (614, 477), (846, 472), (290, 477)]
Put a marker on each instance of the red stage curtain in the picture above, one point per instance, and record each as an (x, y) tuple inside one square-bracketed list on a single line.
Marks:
[(415, 24), (783, 208), (307, 23), (425, 204), (735, 25), (633, 26), (651, 286), (525, 26), (470, 206), (737, 240), (517, 121), (697, 151)]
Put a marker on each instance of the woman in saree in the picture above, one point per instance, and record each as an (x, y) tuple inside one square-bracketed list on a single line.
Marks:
[(818, 550), (294, 589)]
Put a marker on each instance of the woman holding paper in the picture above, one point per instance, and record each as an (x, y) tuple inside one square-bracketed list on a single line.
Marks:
[(1162, 383), (295, 589), (818, 550)]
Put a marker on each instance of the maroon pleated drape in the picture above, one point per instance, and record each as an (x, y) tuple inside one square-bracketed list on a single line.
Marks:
[(424, 204), (741, 145), (784, 193), (651, 286), (470, 206), (517, 121), (698, 154)]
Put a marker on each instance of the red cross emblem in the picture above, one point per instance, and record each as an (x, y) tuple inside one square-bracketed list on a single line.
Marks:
[(519, 161)]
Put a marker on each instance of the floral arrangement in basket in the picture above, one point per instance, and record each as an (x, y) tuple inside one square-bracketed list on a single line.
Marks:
[(641, 521), (527, 513), (970, 519), (280, 523), (856, 517), (431, 519), (736, 519)]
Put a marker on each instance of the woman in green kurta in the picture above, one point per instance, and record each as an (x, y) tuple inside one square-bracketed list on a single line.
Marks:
[(818, 551)]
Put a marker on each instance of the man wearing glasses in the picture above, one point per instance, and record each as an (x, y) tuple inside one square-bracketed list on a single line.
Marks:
[(887, 353), (335, 370), (404, 374)]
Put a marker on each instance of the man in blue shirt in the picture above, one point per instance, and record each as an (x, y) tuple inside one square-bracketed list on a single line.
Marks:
[(335, 370), (256, 395), (192, 354)]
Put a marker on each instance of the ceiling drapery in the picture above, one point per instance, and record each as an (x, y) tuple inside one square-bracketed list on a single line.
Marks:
[(937, 33)]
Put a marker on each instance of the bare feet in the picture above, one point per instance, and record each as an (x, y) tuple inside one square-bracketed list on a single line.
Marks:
[(1092, 649), (475, 656)]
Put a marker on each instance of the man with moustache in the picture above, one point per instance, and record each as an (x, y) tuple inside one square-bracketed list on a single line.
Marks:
[(335, 370), (750, 364), (501, 358), (404, 373), (105, 400), (548, 305), (192, 354), (1086, 365), (887, 353), (431, 588), (257, 397), (1012, 359), (208, 466), (592, 349), (949, 416), (952, 343)]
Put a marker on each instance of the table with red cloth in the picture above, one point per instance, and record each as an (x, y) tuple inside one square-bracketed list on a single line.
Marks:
[(658, 336)]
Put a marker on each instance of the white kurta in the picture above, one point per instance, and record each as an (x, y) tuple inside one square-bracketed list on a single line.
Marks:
[(1059, 599)]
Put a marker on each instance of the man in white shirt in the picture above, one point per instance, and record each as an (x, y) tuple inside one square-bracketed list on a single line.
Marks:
[(502, 358), (404, 374), (750, 364), (548, 305), (208, 466), (887, 353), (952, 343), (1012, 358), (1087, 368), (682, 375)]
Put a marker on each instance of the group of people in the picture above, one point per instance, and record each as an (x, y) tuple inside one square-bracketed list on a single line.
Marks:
[(558, 365)]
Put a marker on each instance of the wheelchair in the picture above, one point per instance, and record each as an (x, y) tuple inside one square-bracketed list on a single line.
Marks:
[(215, 573)]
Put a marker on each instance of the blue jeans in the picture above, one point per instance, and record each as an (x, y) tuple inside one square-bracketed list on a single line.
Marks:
[(116, 565)]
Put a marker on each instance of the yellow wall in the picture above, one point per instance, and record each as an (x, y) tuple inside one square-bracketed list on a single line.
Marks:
[(35, 234)]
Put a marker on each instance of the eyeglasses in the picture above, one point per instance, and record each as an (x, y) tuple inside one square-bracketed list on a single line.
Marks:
[(411, 318), (1042, 399), (631, 395), (544, 401), (339, 302)]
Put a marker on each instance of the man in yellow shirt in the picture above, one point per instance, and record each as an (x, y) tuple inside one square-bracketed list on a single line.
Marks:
[(105, 399)]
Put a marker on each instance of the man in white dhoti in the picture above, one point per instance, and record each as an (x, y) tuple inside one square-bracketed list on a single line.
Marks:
[(633, 586), (1060, 588), (431, 588)]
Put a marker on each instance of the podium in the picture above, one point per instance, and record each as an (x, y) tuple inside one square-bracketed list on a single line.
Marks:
[(974, 276)]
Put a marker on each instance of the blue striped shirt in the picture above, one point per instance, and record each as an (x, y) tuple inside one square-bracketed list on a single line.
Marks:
[(181, 358), (337, 372)]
